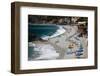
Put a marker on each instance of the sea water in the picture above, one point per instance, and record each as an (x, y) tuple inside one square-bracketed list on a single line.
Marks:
[(41, 30)]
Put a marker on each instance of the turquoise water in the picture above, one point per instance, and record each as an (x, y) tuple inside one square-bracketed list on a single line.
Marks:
[(39, 30)]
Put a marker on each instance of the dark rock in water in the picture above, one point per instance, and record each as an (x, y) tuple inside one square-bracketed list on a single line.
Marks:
[(33, 37)]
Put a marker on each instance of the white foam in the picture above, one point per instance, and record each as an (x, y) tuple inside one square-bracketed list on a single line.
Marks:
[(60, 31), (46, 51)]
